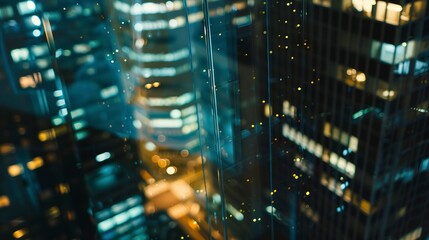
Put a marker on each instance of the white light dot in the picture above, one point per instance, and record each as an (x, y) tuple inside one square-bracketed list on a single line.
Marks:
[(171, 170), (37, 33), (31, 5), (36, 20)]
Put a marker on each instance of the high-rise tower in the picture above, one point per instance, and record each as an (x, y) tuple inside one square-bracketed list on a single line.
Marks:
[(350, 98)]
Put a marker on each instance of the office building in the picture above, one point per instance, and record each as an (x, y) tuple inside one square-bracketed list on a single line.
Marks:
[(349, 113)]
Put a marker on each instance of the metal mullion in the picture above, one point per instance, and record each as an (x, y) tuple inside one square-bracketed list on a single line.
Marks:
[(350, 126), (342, 103), (315, 62), (408, 92), (368, 136), (380, 154), (327, 103)]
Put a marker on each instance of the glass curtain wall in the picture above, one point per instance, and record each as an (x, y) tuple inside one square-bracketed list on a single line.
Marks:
[(213, 119)]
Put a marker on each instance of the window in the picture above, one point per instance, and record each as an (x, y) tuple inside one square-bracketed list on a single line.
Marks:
[(390, 13), (6, 12)]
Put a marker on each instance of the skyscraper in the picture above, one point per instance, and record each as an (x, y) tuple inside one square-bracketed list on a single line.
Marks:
[(349, 100)]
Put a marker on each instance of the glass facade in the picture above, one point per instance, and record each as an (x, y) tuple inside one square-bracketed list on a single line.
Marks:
[(214, 119)]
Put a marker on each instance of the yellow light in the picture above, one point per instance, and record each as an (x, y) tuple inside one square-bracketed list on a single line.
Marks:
[(267, 110), (4, 201), (37, 162), (15, 170), (388, 93), (351, 71), (360, 77), (46, 135), (394, 7), (63, 188), (53, 212), (19, 233), (148, 86), (307, 193), (43, 136), (156, 84)]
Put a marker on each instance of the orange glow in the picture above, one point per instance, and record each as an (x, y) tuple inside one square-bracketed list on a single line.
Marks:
[(6, 148), (155, 158), (19, 233), (4, 201), (63, 188), (37, 162), (15, 170), (163, 163)]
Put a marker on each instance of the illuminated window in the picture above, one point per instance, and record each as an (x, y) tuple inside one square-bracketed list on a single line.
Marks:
[(53, 212), (15, 170), (365, 206), (40, 50), (413, 235), (49, 74), (109, 92), (4, 201), (46, 135), (289, 109), (81, 48), (30, 81), (6, 12), (6, 148), (20, 233), (337, 162), (392, 54), (20, 54), (390, 12), (37, 162), (354, 78), (344, 138), (309, 212), (63, 188), (103, 156), (26, 7), (385, 93), (325, 3)]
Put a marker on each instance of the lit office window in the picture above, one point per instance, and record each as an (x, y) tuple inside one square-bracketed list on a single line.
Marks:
[(4, 201), (6, 12), (289, 109), (26, 7), (15, 170), (37, 162), (390, 13), (20, 54), (413, 235), (338, 135), (325, 3)]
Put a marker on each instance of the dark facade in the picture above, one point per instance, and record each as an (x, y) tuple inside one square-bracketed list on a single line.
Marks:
[(349, 118)]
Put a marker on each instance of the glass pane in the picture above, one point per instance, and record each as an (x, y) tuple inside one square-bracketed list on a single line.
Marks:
[(213, 119)]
